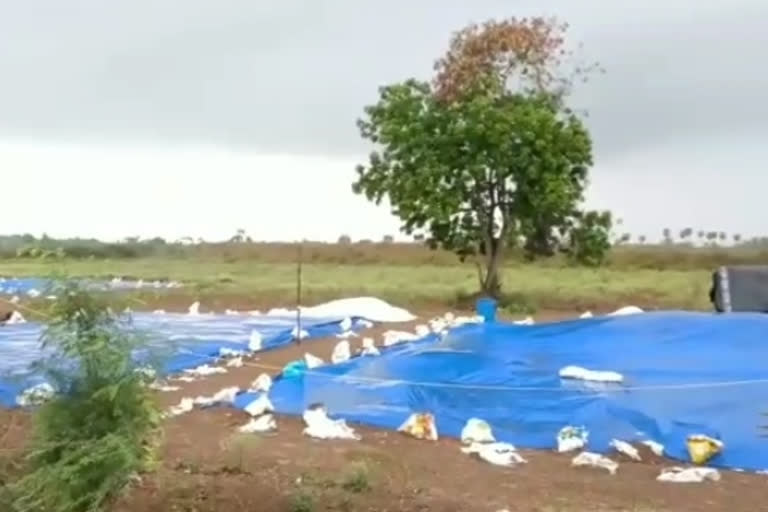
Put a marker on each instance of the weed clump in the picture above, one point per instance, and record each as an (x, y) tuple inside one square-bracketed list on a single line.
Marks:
[(357, 480), (302, 501), (99, 431)]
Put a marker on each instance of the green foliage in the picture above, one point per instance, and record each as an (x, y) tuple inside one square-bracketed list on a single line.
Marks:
[(99, 431), (302, 501), (29, 247), (517, 303), (589, 240), (477, 174), (357, 481)]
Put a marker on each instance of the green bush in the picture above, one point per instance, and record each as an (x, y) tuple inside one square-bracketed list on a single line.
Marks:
[(357, 481), (590, 242), (517, 303), (302, 501), (100, 430)]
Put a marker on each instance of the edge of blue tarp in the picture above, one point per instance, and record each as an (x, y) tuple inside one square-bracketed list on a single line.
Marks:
[(187, 356)]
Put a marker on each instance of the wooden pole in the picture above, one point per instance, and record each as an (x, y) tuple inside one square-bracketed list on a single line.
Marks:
[(298, 292)]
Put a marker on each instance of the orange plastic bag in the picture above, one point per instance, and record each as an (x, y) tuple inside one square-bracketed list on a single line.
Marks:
[(420, 426)]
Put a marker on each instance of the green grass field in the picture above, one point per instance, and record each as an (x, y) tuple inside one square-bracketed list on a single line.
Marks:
[(543, 287)]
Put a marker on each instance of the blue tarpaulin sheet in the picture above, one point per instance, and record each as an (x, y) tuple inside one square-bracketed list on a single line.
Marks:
[(685, 373), (22, 285), (180, 341), (37, 285)]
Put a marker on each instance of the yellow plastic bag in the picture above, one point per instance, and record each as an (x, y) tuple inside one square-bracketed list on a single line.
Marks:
[(702, 448), (420, 426)]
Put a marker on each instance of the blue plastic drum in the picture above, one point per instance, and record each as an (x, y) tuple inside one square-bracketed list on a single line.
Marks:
[(486, 308)]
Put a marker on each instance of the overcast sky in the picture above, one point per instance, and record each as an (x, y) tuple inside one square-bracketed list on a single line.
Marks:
[(198, 117)]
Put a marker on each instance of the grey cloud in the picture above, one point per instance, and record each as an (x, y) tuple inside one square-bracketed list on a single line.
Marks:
[(292, 76)]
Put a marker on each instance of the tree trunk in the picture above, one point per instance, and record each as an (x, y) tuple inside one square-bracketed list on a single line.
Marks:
[(491, 284)]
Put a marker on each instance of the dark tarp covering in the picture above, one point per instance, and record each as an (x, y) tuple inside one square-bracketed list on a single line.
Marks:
[(742, 289)]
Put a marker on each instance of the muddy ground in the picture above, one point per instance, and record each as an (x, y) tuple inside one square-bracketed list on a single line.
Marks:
[(207, 466)]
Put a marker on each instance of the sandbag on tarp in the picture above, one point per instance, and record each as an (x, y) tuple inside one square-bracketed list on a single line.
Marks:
[(740, 289), (684, 373), (175, 342)]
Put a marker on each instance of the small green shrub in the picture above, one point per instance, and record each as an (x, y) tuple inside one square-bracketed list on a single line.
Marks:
[(590, 239), (100, 430), (302, 501), (357, 480), (517, 304)]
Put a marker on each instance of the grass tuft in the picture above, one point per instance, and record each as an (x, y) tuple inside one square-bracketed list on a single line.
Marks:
[(357, 480)]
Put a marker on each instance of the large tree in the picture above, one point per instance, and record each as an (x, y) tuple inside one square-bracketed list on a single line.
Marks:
[(486, 156)]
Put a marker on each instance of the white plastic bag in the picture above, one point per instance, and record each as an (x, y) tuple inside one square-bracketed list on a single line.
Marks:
[(312, 361), (498, 454), (184, 406), (626, 310), (626, 449), (194, 309), (320, 426), (262, 383), (163, 388), (264, 423), (228, 352), (395, 337), (259, 406), (236, 362), (422, 331), (477, 431), (463, 320), (341, 352), (205, 370), (438, 325), (525, 321), (579, 373), (255, 341), (680, 475), (36, 395), (595, 460), (571, 438), (16, 318), (369, 349), (223, 396), (656, 448)]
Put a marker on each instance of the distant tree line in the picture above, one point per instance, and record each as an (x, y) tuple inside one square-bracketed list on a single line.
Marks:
[(27, 246), (691, 237)]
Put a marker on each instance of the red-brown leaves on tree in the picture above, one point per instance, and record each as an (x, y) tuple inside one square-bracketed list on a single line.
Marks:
[(522, 53)]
